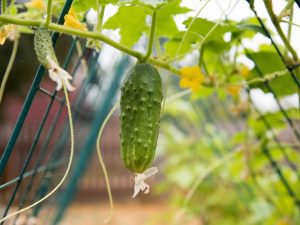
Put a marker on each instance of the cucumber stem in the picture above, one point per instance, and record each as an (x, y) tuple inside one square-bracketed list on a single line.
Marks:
[(3, 6), (49, 7), (100, 16), (152, 33), (277, 26), (8, 68)]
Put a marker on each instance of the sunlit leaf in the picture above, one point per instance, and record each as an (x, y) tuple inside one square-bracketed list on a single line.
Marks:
[(166, 27), (131, 20), (268, 62)]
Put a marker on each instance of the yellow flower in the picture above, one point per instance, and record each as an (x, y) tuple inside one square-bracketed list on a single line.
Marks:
[(7, 31), (283, 222), (234, 90), (72, 21), (3, 36), (35, 4), (244, 71), (191, 77)]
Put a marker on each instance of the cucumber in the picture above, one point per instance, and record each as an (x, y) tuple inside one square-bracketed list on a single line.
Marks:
[(141, 100), (43, 47)]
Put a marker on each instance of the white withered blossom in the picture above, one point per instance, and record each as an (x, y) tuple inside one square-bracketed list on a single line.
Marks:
[(46, 55), (139, 184), (59, 75)]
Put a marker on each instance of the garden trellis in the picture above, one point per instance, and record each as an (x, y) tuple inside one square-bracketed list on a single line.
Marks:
[(55, 157), (46, 155)]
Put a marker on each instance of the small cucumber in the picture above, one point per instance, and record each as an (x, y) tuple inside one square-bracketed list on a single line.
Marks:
[(141, 98), (43, 47)]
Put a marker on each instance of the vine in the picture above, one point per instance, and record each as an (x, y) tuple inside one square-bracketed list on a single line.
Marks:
[(88, 34), (67, 169), (8, 68), (111, 204)]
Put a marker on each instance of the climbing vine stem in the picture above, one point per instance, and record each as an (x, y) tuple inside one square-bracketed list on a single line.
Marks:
[(87, 34), (3, 6), (49, 7), (276, 24), (8, 68), (68, 166), (152, 33), (101, 11), (111, 204), (289, 30)]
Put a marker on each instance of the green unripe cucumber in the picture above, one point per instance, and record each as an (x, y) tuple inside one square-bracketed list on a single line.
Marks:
[(43, 46), (141, 99)]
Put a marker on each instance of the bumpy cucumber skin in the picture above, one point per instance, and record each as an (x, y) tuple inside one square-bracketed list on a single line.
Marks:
[(141, 98), (43, 47)]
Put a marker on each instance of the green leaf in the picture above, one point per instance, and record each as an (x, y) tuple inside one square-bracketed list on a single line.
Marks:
[(203, 92), (132, 23), (82, 6), (210, 30), (106, 2), (173, 44), (166, 26), (201, 30), (218, 46), (252, 27), (238, 138), (269, 62), (275, 119), (212, 57), (261, 210), (249, 27)]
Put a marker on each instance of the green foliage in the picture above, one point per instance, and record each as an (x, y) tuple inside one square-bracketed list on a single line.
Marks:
[(203, 27), (269, 62), (201, 31), (250, 190), (82, 6), (167, 26), (130, 29), (249, 27)]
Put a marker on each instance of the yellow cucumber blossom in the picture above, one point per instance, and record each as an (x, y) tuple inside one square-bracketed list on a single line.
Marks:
[(35, 4), (59, 75), (8, 31), (139, 184), (234, 90), (244, 71), (191, 77), (72, 21)]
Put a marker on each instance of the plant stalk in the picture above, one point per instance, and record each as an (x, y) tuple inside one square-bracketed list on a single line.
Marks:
[(49, 7), (100, 16), (152, 33), (8, 68), (3, 6), (268, 5)]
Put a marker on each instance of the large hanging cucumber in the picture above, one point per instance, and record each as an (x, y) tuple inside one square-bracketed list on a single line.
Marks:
[(141, 99)]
